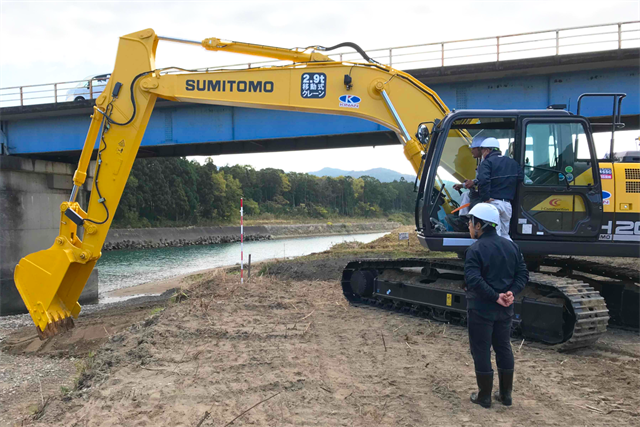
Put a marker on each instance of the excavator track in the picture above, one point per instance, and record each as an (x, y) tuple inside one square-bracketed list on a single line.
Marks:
[(598, 269), (620, 289), (588, 307), (582, 310)]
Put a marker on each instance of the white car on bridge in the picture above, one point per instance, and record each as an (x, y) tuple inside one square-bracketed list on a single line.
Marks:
[(90, 88)]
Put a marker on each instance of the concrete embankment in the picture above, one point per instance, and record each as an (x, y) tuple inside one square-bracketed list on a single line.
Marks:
[(141, 238)]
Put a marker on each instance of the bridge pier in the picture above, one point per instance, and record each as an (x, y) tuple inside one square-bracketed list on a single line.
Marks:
[(30, 195)]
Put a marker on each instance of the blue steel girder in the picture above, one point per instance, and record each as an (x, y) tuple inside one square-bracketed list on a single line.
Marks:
[(185, 124), (540, 91), (58, 130)]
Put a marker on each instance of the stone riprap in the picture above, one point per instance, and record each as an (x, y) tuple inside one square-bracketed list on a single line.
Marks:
[(143, 238)]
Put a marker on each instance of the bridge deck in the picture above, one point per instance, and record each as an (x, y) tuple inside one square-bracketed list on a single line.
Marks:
[(57, 131)]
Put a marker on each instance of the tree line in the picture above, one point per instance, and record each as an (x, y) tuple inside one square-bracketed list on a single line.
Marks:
[(164, 191)]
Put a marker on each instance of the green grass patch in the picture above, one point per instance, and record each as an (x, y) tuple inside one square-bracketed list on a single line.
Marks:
[(179, 296), (156, 311), (85, 370)]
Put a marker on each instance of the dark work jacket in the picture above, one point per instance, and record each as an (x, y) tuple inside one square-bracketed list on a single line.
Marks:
[(498, 177), (493, 265)]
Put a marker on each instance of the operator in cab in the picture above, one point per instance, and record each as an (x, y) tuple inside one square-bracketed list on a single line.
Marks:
[(498, 177), (494, 272), (458, 222), (471, 196)]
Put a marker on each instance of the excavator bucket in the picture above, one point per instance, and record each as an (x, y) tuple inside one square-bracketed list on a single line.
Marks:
[(50, 283)]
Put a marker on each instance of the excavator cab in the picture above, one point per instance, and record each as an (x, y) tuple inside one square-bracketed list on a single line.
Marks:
[(558, 207), (561, 206)]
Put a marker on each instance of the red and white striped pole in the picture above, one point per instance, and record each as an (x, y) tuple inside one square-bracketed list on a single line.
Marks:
[(241, 243)]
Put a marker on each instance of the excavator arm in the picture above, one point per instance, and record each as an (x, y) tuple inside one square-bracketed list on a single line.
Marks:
[(50, 281)]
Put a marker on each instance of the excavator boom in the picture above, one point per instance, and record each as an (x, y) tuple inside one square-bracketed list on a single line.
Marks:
[(50, 281)]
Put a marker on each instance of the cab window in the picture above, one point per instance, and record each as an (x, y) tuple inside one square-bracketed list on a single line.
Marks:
[(458, 163), (557, 154)]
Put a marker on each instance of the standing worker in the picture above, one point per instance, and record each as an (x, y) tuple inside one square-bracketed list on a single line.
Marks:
[(494, 272), (498, 177)]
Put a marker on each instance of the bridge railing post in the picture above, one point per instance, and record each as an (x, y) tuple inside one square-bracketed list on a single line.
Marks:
[(442, 55), (21, 97), (390, 58), (498, 49), (91, 88), (55, 93), (557, 43), (619, 36)]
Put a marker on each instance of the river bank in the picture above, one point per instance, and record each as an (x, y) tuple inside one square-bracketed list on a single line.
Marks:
[(132, 267), (291, 352), (146, 238)]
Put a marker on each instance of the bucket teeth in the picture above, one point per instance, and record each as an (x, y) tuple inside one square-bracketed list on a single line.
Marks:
[(55, 328)]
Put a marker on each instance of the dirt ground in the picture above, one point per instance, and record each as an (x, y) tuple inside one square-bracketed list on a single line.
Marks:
[(285, 349)]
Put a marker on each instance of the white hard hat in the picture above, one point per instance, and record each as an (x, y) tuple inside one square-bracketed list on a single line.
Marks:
[(486, 212), (490, 143)]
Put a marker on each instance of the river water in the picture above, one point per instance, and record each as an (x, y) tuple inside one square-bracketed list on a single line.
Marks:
[(126, 268)]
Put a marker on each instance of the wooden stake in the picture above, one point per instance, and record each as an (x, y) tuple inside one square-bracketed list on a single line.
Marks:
[(241, 242)]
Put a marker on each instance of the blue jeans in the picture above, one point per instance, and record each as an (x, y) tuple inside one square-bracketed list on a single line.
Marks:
[(487, 329)]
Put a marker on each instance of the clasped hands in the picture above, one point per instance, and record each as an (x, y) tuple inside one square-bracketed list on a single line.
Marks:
[(505, 299)]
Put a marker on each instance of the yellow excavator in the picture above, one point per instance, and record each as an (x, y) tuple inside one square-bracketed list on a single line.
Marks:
[(555, 309)]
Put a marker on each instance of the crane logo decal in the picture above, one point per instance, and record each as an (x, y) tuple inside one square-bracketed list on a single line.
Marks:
[(350, 101), (554, 202), (313, 85)]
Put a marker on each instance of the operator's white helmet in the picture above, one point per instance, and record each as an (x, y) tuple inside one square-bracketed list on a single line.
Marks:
[(490, 143), (486, 212)]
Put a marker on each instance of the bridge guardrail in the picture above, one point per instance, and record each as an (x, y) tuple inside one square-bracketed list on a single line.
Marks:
[(589, 38), (51, 92)]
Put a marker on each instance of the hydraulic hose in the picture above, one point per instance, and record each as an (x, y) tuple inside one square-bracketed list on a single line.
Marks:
[(353, 46)]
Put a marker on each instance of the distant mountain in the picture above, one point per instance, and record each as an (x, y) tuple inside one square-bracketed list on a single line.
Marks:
[(381, 174)]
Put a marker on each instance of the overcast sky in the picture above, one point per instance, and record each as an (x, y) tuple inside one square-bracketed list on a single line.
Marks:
[(53, 41)]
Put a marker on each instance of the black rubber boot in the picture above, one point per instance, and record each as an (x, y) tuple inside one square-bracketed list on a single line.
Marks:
[(505, 381), (485, 385)]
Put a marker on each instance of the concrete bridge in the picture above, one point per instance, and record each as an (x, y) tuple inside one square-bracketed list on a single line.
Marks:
[(41, 143)]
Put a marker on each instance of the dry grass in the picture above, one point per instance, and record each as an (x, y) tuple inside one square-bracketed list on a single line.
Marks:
[(390, 245)]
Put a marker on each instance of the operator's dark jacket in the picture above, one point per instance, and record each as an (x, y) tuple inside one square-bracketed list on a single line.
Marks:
[(498, 177), (493, 265)]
